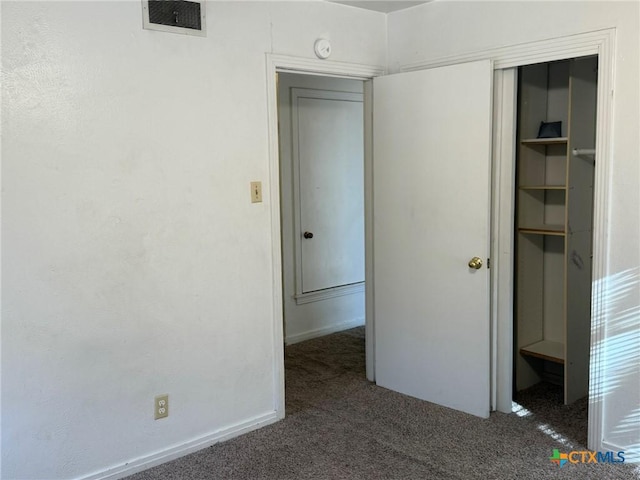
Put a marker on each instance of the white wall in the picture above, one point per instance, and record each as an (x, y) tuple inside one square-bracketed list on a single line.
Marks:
[(134, 263), (446, 28)]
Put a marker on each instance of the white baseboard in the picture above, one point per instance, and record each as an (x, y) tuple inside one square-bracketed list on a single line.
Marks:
[(177, 451), (320, 332), (630, 456)]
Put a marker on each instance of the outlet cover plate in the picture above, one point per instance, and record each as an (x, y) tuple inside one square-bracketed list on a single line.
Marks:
[(161, 406)]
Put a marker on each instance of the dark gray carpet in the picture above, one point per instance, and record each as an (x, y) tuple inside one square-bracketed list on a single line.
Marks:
[(340, 426)]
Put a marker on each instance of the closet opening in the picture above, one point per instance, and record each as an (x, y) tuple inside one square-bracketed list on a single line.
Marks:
[(555, 163)]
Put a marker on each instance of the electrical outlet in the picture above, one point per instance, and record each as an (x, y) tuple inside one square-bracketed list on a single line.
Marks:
[(161, 408), (256, 192)]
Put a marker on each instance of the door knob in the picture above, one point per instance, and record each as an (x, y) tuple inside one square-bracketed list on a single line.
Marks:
[(307, 235), (475, 262)]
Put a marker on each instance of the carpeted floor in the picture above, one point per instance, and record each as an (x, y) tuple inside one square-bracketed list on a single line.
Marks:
[(340, 426)]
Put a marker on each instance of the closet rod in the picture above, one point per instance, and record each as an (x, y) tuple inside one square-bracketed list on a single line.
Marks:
[(583, 151)]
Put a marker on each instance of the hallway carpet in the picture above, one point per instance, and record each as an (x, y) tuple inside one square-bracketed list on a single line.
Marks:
[(340, 426)]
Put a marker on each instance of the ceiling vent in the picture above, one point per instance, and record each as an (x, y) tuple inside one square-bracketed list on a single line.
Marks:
[(176, 16)]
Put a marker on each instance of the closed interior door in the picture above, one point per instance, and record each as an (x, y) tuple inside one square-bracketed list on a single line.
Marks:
[(328, 151)]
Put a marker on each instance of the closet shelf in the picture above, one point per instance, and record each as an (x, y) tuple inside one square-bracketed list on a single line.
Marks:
[(543, 229), (543, 187), (544, 141), (546, 349)]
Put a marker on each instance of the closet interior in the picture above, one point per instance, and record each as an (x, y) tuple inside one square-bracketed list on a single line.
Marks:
[(554, 210)]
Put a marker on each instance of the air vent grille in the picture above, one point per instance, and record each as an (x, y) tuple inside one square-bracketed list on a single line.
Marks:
[(175, 13)]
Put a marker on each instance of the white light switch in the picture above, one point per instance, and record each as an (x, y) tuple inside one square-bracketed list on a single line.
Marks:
[(256, 192)]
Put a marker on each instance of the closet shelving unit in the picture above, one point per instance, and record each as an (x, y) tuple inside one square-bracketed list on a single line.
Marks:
[(554, 225)]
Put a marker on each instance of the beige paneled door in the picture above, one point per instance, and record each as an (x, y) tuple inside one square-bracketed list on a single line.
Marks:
[(328, 151)]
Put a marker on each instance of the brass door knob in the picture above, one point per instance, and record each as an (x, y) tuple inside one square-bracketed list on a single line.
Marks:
[(307, 235), (475, 262)]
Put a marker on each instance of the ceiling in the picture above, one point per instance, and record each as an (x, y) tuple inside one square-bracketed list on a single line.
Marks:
[(382, 6)]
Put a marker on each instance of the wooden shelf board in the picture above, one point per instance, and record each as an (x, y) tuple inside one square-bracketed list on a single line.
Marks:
[(546, 349), (543, 187), (543, 229), (544, 141)]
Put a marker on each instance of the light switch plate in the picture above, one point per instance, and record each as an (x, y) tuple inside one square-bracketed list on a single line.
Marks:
[(256, 192)]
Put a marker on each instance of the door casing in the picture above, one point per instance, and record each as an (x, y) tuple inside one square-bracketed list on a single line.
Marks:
[(286, 64), (601, 43)]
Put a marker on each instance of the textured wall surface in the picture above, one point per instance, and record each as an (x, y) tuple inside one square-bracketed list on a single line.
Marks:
[(133, 262)]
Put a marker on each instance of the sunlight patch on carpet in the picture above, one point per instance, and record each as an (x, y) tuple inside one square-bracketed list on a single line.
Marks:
[(519, 410), (544, 428)]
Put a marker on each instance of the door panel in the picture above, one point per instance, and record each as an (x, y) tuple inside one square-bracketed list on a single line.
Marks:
[(328, 149), (431, 168)]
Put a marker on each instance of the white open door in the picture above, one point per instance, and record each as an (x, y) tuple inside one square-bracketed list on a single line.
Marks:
[(431, 205)]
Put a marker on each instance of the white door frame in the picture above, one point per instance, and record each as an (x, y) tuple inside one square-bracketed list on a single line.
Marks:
[(601, 43), (506, 59), (303, 66)]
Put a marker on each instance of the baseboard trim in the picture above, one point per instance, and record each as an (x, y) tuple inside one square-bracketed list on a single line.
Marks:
[(328, 293), (631, 455), (177, 451), (320, 332)]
